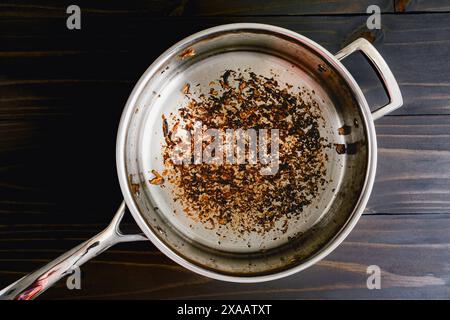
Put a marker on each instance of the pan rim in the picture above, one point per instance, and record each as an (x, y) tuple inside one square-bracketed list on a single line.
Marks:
[(334, 242)]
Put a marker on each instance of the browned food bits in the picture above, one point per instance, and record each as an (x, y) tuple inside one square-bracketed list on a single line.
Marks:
[(158, 179), (344, 130), (165, 126), (237, 196), (321, 68), (340, 148), (134, 186), (186, 88), (189, 52)]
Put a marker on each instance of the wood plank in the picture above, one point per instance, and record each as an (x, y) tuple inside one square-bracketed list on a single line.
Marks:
[(48, 70), (74, 181), (413, 165), (46, 136), (421, 5), (273, 7), (412, 252), (61, 95), (57, 9)]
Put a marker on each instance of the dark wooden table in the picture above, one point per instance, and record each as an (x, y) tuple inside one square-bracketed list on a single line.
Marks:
[(62, 93)]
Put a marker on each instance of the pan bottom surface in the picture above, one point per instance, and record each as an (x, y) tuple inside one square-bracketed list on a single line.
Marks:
[(171, 98)]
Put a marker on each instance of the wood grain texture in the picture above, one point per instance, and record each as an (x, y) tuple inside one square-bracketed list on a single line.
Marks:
[(422, 5), (48, 70), (413, 174), (413, 253), (413, 169), (62, 93), (148, 8)]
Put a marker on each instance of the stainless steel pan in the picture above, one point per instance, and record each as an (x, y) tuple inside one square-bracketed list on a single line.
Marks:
[(331, 216)]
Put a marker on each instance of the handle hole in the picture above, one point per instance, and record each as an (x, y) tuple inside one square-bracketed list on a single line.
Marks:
[(367, 78)]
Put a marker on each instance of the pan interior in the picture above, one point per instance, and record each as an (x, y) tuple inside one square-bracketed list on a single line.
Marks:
[(172, 98), (251, 253)]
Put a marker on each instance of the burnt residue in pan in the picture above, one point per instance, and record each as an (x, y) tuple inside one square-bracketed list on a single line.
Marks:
[(344, 130), (189, 52), (158, 179), (133, 186), (340, 148), (238, 196)]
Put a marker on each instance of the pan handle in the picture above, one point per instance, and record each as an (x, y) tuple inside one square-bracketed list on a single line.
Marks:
[(35, 283), (385, 74)]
